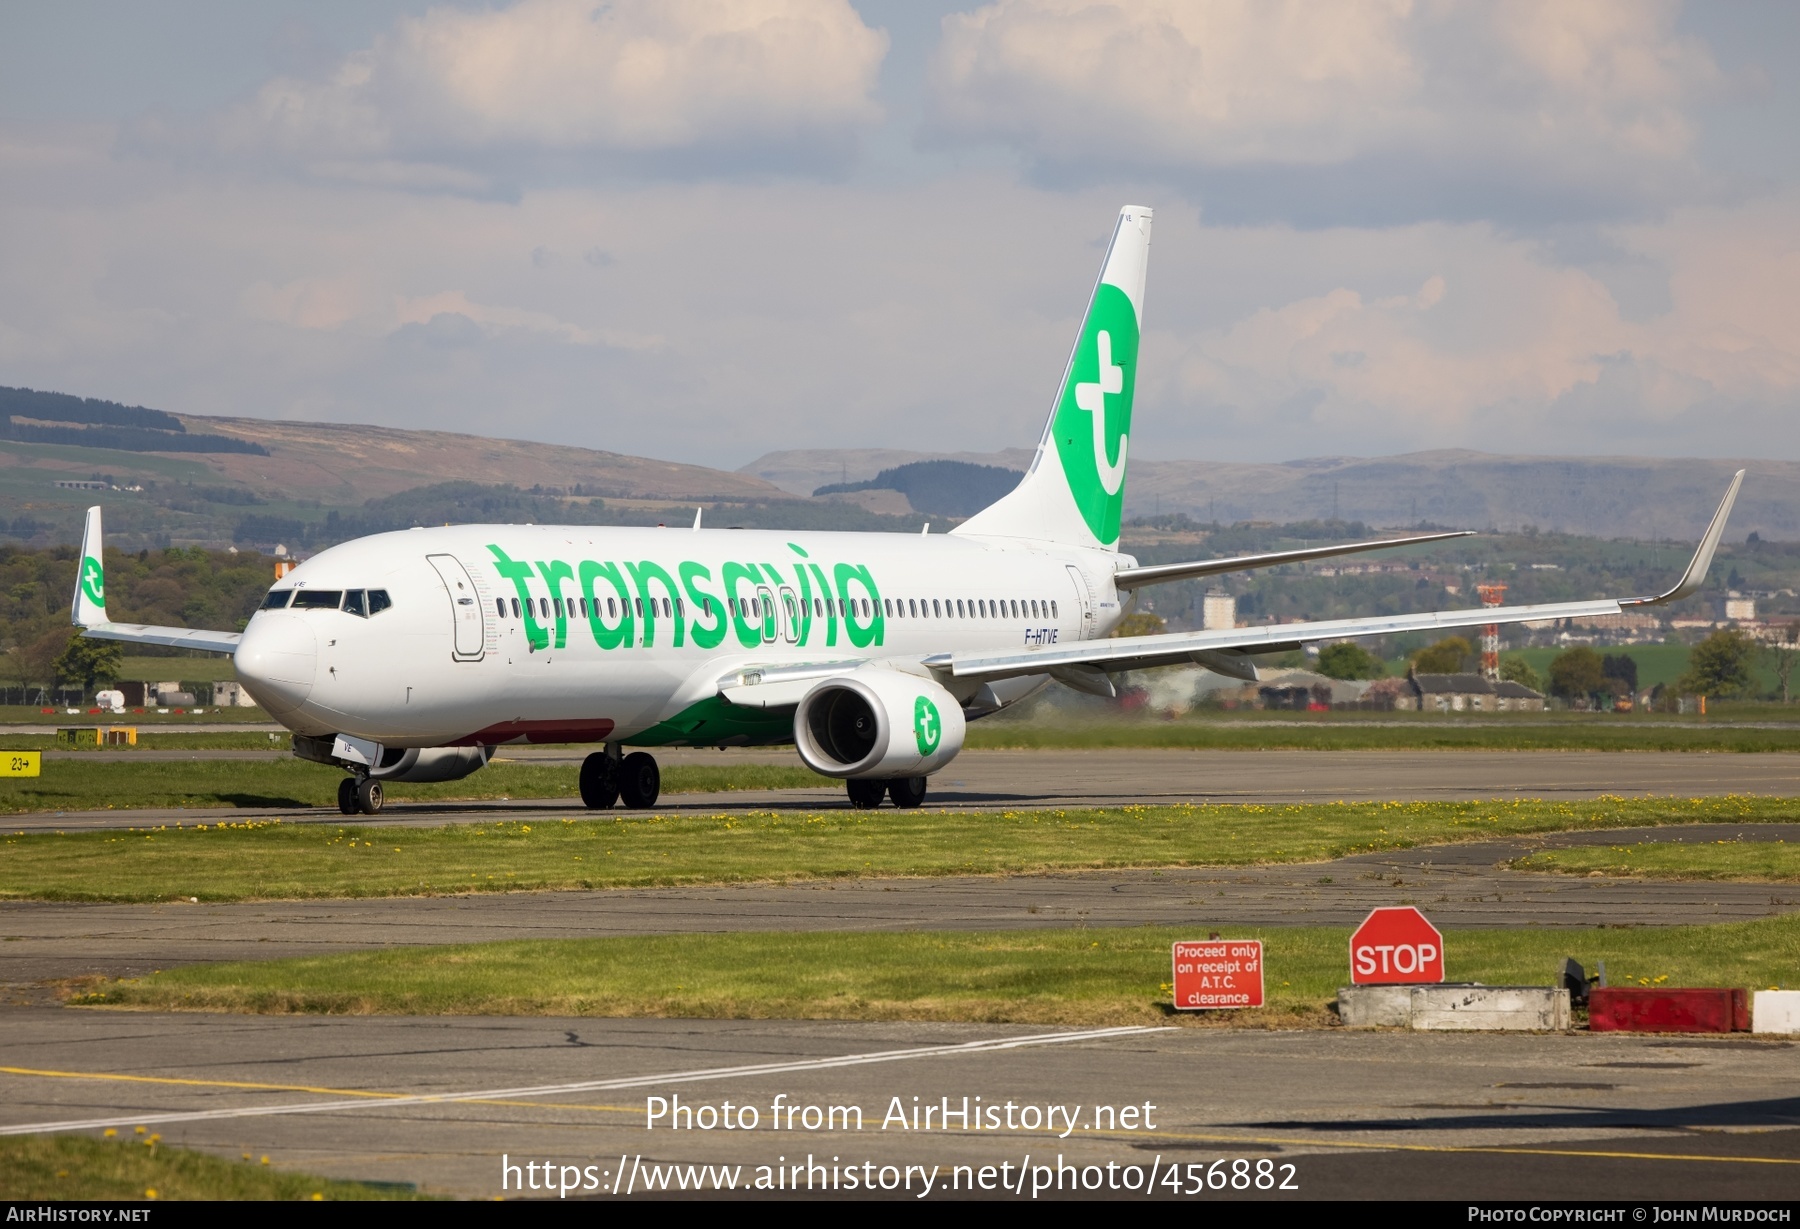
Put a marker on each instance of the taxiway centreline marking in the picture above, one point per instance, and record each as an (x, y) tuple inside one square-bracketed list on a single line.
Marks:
[(1483, 1148), (674, 1077), (335, 1092)]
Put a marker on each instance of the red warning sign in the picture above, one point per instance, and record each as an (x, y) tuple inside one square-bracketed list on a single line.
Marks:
[(1217, 973), (1396, 946)]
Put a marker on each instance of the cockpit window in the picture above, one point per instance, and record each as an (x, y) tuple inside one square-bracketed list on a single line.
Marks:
[(277, 599), (365, 603), (318, 599)]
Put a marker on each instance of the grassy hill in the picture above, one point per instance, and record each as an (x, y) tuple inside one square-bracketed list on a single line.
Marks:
[(1607, 497)]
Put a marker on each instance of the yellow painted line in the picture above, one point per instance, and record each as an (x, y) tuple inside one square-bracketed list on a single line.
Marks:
[(1481, 1148), (329, 1092), (165, 1079)]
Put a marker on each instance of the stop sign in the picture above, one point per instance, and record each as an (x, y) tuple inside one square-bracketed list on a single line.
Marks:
[(1396, 945)]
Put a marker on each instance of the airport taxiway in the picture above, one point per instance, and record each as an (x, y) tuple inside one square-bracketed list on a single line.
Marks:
[(1004, 780), (1353, 1114), (1462, 885), (1372, 1114)]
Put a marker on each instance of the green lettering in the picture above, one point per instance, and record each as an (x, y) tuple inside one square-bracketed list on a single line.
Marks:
[(804, 628), (604, 636), (519, 572), (861, 635), (831, 614), (701, 600), (554, 573), (642, 574), (749, 634)]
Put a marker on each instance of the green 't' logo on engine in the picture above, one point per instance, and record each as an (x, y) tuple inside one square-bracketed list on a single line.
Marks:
[(1093, 419), (928, 727), (93, 581)]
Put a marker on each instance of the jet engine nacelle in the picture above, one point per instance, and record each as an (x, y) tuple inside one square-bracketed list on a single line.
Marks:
[(878, 723), (393, 763), (430, 763)]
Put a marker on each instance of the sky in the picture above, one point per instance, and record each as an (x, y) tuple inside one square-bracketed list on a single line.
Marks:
[(703, 230)]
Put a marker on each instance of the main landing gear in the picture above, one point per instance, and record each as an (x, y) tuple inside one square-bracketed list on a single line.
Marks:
[(606, 778), (362, 795), (907, 792)]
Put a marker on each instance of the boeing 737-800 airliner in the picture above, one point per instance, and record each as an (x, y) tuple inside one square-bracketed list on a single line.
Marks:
[(410, 656)]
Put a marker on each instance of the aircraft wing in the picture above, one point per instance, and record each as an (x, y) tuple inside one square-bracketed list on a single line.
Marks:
[(1224, 649), (1133, 578), (88, 611)]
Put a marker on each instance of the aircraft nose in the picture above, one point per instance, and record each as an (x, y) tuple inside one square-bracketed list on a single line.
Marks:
[(277, 660)]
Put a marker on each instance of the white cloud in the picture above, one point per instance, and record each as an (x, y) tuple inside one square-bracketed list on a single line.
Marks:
[(1578, 94), (712, 321), (566, 77), (1503, 348)]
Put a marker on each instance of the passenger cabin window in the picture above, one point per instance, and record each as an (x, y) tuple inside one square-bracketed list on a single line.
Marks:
[(318, 599), (515, 603), (277, 599), (500, 606)]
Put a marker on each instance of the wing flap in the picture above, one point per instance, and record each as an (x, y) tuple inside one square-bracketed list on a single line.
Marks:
[(1156, 574), (1181, 648)]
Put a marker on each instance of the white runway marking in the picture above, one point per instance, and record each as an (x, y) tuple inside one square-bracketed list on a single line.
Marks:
[(544, 1090)]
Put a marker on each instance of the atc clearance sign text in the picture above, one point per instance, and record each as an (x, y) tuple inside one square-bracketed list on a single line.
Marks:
[(1218, 973)]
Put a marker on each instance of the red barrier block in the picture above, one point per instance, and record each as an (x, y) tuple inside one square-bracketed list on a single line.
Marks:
[(1636, 1009)]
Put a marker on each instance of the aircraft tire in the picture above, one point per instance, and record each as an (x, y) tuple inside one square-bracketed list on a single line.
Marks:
[(599, 782), (866, 795), (347, 796), (370, 796), (640, 780), (907, 792)]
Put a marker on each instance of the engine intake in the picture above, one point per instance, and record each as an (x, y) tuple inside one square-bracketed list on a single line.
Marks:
[(878, 723)]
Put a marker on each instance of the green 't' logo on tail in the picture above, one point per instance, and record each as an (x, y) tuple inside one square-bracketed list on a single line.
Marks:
[(93, 581), (928, 727), (1093, 419)]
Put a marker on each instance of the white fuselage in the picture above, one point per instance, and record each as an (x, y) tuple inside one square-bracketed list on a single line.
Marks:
[(499, 633)]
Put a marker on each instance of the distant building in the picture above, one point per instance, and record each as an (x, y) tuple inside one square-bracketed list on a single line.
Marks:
[(232, 695), (1739, 608), (1472, 693), (1218, 609), (1304, 690), (72, 484)]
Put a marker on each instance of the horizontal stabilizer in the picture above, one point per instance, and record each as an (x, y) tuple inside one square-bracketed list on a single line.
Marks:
[(173, 637), (88, 610)]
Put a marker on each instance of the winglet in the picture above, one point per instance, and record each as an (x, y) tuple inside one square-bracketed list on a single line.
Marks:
[(1695, 576), (89, 608)]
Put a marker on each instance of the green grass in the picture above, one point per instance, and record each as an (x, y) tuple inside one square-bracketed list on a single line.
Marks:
[(1749, 861), (271, 860), (72, 785), (1385, 732), (155, 739), (34, 714), (75, 1167), (1063, 976)]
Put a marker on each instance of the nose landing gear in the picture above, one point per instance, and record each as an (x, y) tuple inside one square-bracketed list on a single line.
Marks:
[(360, 794)]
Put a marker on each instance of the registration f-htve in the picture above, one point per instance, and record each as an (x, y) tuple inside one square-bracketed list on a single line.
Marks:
[(410, 656)]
